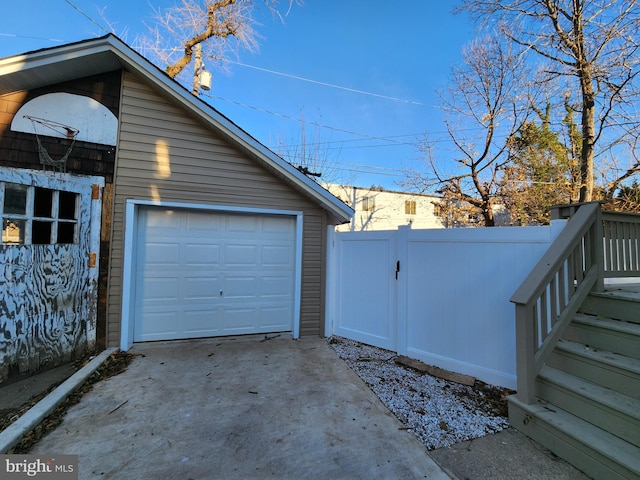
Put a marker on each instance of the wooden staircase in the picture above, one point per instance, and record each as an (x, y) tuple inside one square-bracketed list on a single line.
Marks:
[(587, 409), (578, 346)]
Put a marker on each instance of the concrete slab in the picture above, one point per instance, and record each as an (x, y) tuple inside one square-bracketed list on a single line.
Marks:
[(11, 435), (239, 407), (506, 455), (14, 395)]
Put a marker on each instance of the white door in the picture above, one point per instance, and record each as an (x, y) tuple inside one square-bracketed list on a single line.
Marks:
[(49, 251), (203, 274)]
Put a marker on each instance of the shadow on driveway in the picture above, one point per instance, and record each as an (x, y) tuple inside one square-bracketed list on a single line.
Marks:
[(239, 407)]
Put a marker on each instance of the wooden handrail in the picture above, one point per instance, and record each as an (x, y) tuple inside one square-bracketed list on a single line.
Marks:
[(554, 290), (594, 245)]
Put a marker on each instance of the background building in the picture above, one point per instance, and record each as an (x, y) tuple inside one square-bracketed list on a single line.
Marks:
[(378, 209)]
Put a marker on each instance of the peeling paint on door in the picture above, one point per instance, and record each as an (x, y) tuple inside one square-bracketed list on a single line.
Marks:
[(48, 272)]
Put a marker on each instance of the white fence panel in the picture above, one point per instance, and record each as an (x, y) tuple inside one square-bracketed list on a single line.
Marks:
[(364, 289), (449, 306)]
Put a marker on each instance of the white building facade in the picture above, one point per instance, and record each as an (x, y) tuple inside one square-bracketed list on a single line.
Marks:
[(377, 209)]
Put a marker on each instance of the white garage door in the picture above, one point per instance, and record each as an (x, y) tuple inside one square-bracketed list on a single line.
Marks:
[(202, 274)]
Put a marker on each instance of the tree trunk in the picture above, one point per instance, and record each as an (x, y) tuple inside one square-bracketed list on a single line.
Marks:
[(585, 75), (487, 213), (588, 138)]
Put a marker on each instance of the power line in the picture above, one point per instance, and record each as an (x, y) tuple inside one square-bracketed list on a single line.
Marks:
[(13, 35), (365, 169), (326, 84), (87, 17), (289, 117), (365, 136)]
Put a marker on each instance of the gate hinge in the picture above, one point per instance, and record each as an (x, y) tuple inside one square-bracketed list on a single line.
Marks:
[(92, 260), (95, 191)]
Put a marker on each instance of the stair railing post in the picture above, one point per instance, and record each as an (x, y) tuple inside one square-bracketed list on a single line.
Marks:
[(597, 246), (525, 350)]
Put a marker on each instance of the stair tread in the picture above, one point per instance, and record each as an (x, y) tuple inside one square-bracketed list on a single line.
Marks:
[(620, 402), (618, 293), (609, 323), (600, 440), (602, 356)]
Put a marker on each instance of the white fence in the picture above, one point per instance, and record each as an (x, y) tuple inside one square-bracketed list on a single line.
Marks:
[(440, 296)]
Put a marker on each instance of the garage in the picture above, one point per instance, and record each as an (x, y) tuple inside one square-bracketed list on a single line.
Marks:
[(203, 273), (204, 230)]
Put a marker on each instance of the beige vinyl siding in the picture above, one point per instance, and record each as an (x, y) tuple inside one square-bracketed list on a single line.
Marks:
[(201, 167)]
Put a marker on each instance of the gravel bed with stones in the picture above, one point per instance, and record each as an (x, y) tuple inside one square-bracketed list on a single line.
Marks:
[(439, 412)]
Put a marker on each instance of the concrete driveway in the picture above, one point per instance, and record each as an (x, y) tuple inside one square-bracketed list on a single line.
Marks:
[(237, 408)]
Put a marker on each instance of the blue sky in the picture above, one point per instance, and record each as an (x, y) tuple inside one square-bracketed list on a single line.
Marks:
[(399, 53)]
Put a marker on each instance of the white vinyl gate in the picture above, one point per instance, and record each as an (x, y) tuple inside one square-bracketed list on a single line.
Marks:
[(440, 296)]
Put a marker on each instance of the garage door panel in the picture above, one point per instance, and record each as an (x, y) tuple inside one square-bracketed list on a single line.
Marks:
[(201, 255), (162, 220), (241, 224), (200, 288), (203, 223), (241, 287), (207, 273), (239, 320), (156, 326), (159, 288), (277, 256), (160, 254), (240, 255), (199, 322), (274, 318), (278, 225), (277, 286)]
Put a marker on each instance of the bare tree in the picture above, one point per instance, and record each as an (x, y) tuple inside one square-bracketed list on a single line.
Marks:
[(482, 107), (592, 45), (313, 154), (196, 30)]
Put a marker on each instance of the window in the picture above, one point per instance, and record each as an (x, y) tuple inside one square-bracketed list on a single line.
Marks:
[(37, 216), (410, 207), (368, 204)]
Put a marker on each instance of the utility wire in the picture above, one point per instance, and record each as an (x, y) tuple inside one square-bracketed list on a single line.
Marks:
[(288, 117), (88, 17), (57, 40), (326, 84), (365, 136)]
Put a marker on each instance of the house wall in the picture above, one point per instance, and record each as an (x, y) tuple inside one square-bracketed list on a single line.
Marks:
[(389, 209), (164, 154)]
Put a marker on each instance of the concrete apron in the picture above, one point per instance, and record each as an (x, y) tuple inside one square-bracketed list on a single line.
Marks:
[(238, 407)]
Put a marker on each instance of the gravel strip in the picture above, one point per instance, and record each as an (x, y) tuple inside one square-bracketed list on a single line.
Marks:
[(440, 413)]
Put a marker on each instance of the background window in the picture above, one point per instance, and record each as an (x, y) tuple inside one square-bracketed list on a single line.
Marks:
[(368, 204), (410, 207)]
